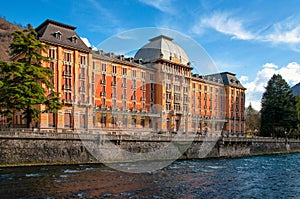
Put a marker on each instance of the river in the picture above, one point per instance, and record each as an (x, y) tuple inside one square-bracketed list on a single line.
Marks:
[(274, 176)]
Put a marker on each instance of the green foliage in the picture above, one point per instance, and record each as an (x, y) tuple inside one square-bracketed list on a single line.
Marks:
[(252, 120), (298, 110), (25, 82), (278, 113)]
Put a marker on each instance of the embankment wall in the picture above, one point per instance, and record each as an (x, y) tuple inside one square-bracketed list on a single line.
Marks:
[(21, 149)]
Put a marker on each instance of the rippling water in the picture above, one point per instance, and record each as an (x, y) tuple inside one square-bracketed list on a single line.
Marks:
[(254, 177)]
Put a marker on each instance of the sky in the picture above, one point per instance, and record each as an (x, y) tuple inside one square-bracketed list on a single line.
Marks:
[(253, 39)]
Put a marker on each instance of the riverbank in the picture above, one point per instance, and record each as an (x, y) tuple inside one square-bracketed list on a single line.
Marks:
[(30, 149)]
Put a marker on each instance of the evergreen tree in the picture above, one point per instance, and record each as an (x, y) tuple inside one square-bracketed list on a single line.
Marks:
[(298, 110), (26, 83), (252, 120), (278, 113)]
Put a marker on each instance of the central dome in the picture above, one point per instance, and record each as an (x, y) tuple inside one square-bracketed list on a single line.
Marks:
[(162, 47)]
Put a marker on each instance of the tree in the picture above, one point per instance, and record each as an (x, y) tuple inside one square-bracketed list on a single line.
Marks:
[(252, 120), (26, 83), (278, 113), (298, 110)]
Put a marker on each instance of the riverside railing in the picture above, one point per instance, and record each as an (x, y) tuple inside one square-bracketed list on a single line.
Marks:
[(136, 136)]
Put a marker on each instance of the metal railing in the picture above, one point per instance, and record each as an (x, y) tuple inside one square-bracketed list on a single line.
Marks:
[(142, 134)]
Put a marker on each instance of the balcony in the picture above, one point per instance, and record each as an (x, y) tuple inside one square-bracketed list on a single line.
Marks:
[(177, 100), (133, 98), (103, 94), (113, 83), (67, 73), (83, 65), (82, 76), (103, 107), (67, 102), (142, 99), (67, 87), (81, 89)]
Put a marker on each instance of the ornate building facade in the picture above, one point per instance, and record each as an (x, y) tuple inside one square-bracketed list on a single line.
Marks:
[(154, 91)]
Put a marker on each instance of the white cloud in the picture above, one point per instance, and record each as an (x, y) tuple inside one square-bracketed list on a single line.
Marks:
[(282, 36), (244, 78), (162, 5), (255, 88), (86, 41), (223, 23), (286, 31)]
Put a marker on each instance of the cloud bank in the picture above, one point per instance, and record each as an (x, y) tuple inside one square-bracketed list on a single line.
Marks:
[(255, 88)]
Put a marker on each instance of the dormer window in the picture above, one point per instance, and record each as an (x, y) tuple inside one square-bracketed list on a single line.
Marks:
[(73, 39), (57, 35)]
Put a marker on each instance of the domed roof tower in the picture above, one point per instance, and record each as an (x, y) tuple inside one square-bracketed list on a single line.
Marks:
[(162, 47)]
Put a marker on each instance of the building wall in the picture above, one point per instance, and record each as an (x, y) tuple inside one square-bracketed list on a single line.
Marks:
[(235, 118), (113, 92), (122, 93)]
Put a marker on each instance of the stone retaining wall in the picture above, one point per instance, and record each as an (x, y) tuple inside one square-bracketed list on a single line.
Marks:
[(20, 150)]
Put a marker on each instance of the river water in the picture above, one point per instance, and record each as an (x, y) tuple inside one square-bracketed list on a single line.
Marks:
[(276, 176)]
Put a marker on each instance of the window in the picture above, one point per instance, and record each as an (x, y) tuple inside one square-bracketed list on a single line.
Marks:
[(124, 83), (103, 67), (124, 120), (103, 119), (68, 56), (73, 39), (134, 84), (168, 106), (185, 89), (177, 97), (143, 122), (185, 108), (133, 73), (103, 79), (52, 53), (57, 35), (124, 71), (133, 121), (143, 75), (168, 96), (114, 69), (67, 71), (67, 120), (82, 120), (82, 73), (151, 77), (177, 107), (51, 119), (83, 60), (168, 87)]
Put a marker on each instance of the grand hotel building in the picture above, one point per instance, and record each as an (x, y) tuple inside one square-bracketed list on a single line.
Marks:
[(154, 91)]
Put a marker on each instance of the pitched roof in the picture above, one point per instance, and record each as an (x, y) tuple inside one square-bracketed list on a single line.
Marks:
[(229, 79), (48, 32), (296, 89)]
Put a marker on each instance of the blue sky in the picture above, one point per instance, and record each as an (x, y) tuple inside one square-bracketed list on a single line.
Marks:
[(253, 39)]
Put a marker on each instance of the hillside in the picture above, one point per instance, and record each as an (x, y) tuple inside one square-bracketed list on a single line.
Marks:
[(296, 89), (6, 29)]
